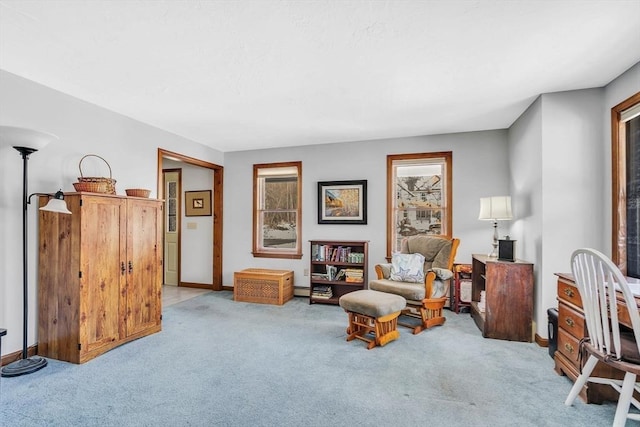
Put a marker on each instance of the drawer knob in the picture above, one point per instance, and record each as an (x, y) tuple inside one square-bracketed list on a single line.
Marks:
[(569, 292), (569, 348), (569, 321)]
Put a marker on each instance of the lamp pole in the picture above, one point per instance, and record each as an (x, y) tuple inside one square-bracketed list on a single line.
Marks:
[(25, 365)]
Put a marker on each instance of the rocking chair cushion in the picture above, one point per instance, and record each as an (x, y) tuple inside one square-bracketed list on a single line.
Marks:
[(409, 291)]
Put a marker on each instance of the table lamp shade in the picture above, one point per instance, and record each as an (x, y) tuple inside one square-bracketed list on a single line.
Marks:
[(495, 208)]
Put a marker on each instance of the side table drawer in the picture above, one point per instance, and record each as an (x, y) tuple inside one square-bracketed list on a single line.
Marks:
[(571, 321), (569, 345)]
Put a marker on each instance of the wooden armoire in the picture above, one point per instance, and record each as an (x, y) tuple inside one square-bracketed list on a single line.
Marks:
[(100, 275)]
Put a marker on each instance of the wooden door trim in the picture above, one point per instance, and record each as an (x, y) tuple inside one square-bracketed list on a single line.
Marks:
[(218, 175)]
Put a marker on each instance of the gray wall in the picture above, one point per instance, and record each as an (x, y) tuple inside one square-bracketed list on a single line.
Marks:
[(480, 168), (557, 186), (129, 146), (560, 157)]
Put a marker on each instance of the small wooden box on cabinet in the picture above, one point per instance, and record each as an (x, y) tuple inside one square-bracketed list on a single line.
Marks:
[(263, 286), (337, 267), (508, 302), (100, 275)]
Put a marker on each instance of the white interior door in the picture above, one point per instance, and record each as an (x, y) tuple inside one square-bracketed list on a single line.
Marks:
[(172, 228)]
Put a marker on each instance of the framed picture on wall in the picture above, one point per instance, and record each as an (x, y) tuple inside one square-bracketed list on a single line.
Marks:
[(197, 203), (342, 202)]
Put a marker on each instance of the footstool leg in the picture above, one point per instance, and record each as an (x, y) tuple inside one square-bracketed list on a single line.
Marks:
[(383, 328), (387, 328), (359, 326)]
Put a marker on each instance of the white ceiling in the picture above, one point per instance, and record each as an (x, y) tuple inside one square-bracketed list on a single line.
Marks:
[(247, 74)]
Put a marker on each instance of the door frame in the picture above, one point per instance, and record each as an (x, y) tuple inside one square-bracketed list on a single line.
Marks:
[(218, 174)]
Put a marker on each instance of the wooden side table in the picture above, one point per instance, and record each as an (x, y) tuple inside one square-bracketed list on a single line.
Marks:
[(502, 298), (461, 276)]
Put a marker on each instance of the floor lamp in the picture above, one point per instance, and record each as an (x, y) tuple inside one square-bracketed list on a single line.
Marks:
[(27, 142)]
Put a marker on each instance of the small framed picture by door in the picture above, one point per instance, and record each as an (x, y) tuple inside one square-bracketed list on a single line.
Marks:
[(197, 203)]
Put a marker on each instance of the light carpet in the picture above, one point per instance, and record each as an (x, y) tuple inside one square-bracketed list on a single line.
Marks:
[(223, 363)]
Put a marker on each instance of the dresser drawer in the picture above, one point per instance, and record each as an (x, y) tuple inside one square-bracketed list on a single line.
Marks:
[(568, 345), (569, 293), (571, 321)]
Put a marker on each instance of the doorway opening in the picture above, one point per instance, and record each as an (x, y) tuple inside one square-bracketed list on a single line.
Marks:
[(216, 201)]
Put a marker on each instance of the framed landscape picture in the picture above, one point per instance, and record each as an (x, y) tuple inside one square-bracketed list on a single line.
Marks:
[(197, 203), (342, 202)]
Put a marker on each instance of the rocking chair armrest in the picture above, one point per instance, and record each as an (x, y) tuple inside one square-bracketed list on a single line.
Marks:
[(429, 278), (383, 271), (433, 275), (442, 273)]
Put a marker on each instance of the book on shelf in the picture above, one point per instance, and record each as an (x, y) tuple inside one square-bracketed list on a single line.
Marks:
[(340, 275), (319, 276), (320, 252), (354, 275), (332, 270), (323, 292), (329, 253), (355, 258)]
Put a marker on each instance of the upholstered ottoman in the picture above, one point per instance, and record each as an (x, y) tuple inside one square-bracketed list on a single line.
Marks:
[(372, 312)]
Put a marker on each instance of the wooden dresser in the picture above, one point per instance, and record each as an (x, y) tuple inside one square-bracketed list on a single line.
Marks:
[(571, 329)]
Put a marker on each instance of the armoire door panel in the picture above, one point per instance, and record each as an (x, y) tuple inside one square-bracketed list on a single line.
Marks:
[(144, 249), (102, 251)]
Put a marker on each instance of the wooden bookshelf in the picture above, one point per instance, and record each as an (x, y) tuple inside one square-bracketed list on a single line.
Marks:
[(337, 267)]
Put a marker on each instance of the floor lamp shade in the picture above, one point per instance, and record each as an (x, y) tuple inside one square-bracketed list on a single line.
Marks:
[(27, 138), (496, 208), (26, 142)]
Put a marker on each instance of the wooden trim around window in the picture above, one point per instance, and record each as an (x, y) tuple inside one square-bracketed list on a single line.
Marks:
[(448, 158), (619, 183), (287, 255)]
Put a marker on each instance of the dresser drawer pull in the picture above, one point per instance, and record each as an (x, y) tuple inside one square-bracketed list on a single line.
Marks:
[(569, 348), (569, 292), (569, 321)]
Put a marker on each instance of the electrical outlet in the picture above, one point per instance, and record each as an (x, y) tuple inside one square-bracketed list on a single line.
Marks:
[(306, 271)]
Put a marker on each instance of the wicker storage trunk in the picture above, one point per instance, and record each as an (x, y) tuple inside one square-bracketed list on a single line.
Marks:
[(263, 286)]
